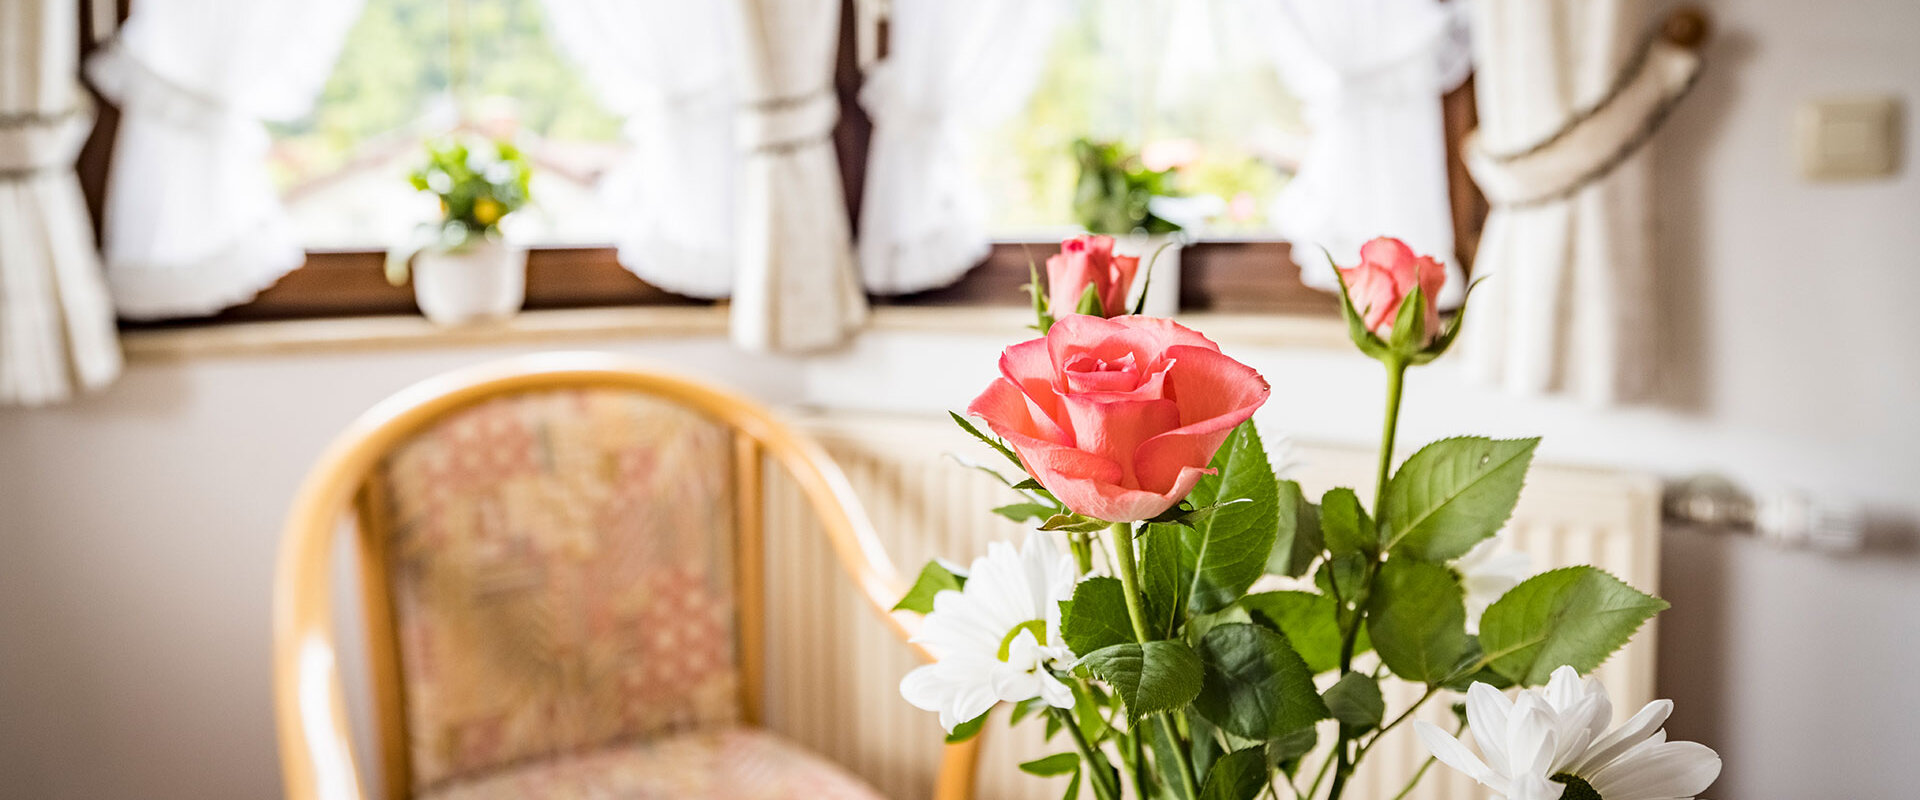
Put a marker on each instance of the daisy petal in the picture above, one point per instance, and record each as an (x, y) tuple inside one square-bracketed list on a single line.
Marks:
[(1487, 712), (1663, 771), (1634, 731), (1454, 754)]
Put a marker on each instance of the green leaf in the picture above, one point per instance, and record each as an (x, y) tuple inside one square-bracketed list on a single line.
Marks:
[(969, 729), (1288, 748), (1445, 340), (1021, 512), (1417, 618), (1024, 709), (1452, 494), (1151, 678), (1239, 775), (1166, 757), (1299, 538), (1309, 620), (1230, 548), (1090, 302), (1072, 522), (1409, 334), (1096, 617), (933, 580), (1346, 525), (1576, 616), (1256, 685), (1355, 700), (1165, 576), (1356, 327), (991, 441), (1464, 679), (1206, 744), (1343, 578), (1057, 764)]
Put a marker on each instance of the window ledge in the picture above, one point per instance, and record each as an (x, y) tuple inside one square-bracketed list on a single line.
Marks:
[(290, 337)]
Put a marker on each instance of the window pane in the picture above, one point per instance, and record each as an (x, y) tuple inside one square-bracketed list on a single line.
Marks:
[(415, 69), (1180, 78)]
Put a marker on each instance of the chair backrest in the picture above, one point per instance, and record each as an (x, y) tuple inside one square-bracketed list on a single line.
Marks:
[(558, 552)]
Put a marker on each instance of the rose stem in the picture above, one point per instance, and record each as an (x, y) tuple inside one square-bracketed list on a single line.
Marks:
[(1396, 379), (1120, 543)]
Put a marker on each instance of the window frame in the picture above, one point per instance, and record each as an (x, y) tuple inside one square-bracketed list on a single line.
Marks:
[(1217, 275)]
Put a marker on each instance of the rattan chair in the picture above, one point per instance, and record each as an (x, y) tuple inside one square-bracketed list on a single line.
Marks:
[(561, 566)]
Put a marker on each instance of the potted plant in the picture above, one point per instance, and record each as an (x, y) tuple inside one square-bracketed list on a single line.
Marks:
[(463, 269), (1114, 196)]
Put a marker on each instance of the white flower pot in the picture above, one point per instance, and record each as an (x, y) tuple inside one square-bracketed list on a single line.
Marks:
[(1163, 291), (482, 281)]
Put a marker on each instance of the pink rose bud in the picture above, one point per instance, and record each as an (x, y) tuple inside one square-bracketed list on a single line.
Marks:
[(1387, 273), (1089, 261), (1118, 417)]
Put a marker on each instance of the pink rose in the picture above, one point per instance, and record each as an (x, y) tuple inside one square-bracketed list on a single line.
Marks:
[(1089, 261), (1387, 273), (1118, 417)]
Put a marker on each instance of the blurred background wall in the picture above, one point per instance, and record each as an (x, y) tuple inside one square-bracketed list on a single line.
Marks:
[(138, 527)]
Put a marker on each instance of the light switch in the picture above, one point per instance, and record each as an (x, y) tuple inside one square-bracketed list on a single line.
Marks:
[(1851, 138)]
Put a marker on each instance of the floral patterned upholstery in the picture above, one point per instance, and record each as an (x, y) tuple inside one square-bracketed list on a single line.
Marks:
[(562, 584), (737, 764)]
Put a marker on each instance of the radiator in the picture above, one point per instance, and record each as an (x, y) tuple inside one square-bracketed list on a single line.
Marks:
[(834, 668)]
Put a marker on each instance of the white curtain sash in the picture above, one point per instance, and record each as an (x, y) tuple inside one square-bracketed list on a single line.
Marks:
[(783, 124), (1594, 141), (32, 143)]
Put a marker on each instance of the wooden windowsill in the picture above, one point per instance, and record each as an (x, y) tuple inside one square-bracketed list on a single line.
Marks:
[(347, 334)]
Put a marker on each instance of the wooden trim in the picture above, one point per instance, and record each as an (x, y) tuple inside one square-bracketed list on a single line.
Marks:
[(316, 751), (1460, 116), (354, 283), (750, 574), (387, 684), (959, 769)]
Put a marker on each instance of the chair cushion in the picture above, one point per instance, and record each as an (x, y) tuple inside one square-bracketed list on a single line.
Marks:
[(734, 763), (562, 578)]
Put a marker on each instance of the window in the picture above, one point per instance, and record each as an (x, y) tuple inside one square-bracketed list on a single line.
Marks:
[(1179, 82), (415, 69), (1186, 83)]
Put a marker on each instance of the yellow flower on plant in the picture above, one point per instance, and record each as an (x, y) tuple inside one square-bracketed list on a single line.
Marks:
[(486, 211)]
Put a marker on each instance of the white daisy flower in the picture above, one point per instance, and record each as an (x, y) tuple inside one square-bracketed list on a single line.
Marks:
[(1487, 572), (987, 637), (1553, 744)]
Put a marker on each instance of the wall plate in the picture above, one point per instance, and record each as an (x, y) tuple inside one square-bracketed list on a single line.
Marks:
[(1849, 138)]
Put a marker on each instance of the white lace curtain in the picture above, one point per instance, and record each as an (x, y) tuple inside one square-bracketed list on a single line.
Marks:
[(56, 324), (1568, 92), (192, 222), (795, 284), (1370, 74), (668, 67), (952, 70)]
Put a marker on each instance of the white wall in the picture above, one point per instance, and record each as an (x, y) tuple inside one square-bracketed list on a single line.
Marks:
[(137, 527)]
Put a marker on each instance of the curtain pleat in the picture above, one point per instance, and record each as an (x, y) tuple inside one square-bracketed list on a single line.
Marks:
[(1369, 74), (193, 223), (952, 71), (1569, 91), (57, 334), (667, 66), (796, 286)]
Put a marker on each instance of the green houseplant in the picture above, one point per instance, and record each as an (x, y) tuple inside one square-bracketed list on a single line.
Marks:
[(463, 268), (1113, 196)]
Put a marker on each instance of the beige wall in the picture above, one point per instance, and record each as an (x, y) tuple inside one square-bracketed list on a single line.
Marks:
[(137, 527)]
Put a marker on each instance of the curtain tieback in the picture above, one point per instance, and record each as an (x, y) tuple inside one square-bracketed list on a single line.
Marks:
[(1593, 141), (784, 124), (33, 142)]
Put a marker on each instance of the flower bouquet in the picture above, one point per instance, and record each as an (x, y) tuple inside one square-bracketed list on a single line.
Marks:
[(1128, 620)]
